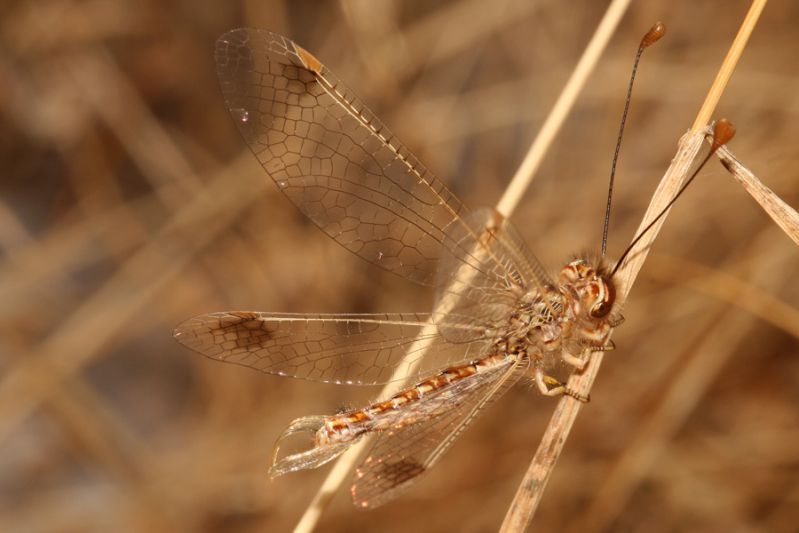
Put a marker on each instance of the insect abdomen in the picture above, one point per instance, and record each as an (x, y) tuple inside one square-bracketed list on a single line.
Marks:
[(378, 416)]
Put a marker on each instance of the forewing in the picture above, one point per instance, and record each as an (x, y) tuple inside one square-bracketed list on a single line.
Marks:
[(333, 348), (332, 157), (425, 431)]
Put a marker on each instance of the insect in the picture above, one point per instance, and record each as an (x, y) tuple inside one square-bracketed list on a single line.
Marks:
[(499, 317)]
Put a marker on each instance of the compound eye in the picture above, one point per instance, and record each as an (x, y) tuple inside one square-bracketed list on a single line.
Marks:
[(604, 302), (600, 310)]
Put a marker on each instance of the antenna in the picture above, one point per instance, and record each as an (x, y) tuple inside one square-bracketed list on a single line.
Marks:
[(723, 132), (653, 35)]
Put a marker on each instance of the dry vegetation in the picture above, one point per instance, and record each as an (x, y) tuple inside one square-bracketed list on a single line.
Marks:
[(129, 203)]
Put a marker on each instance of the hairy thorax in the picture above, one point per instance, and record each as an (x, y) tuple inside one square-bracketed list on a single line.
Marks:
[(566, 321)]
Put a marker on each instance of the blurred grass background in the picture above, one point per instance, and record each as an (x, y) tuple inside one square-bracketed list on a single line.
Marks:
[(128, 204)]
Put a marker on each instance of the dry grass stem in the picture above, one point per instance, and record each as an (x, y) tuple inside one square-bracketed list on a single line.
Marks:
[(783, 214), (728, 65)]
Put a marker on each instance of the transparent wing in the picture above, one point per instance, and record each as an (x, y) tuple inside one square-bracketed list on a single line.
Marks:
[(401, 455), (336, 348), (339, 164)]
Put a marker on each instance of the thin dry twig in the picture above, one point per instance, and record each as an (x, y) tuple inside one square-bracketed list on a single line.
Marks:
[(531, 489), (346, 463), (728, 66), (783, 215)]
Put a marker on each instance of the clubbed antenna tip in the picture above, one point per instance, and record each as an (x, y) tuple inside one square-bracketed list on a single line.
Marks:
[(723, 132), (654, 34)]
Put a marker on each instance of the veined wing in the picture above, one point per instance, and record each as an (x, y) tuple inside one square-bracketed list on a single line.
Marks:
[(332, 348), (399, 456), (339, 164)]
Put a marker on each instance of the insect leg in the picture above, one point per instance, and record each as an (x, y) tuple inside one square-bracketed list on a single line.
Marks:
[(578, 362), (550, 386)]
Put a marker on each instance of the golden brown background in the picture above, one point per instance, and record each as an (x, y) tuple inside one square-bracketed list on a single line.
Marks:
[(129, 204)]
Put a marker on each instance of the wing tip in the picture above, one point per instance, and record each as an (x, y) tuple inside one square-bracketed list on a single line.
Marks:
[(180, 332)]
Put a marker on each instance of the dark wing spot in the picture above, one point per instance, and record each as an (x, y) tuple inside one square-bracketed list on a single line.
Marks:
[(247, 328)]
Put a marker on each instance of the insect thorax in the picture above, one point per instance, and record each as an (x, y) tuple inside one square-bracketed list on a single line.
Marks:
[(568, 318)]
